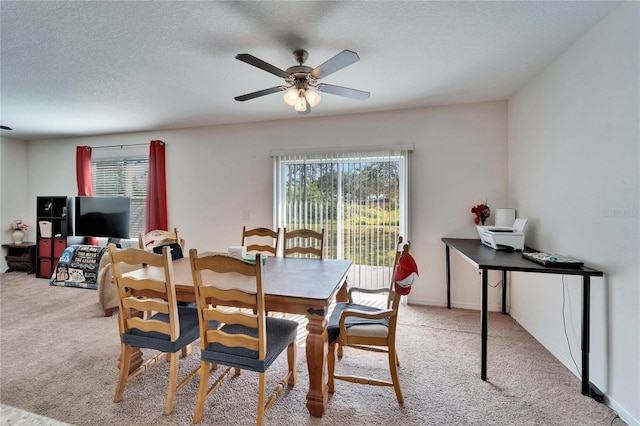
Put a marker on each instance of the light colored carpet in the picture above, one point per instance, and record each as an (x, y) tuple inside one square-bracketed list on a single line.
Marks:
[(59, 360)]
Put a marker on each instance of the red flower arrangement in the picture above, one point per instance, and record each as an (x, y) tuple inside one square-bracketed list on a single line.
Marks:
[(482, 212)]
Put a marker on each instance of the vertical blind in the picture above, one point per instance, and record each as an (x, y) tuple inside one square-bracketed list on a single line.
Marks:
[(359, 198)]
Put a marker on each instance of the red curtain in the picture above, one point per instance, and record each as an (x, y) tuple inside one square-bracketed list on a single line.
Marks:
[(83, 177), (156, 203), (83, 170)]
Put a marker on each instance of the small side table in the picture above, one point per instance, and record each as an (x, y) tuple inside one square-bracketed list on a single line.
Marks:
[(21, 257)]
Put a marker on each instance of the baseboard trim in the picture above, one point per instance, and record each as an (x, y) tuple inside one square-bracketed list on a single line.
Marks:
[(439, 303)]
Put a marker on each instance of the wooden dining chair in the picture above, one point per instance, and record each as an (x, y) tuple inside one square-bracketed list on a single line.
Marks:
[(169, 330), (367, 328), (303, 243), (249, 339), (264, 240), (156, 239)]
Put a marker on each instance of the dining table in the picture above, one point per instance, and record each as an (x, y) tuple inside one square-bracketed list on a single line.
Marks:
[(300, 286)]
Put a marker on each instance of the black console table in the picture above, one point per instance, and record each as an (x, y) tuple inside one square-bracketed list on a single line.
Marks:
[(488, 259)]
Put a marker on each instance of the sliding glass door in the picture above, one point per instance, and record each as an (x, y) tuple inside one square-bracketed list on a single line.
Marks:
[(360, 200)]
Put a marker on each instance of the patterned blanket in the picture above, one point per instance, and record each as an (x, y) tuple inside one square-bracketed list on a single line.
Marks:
[(78, 267)]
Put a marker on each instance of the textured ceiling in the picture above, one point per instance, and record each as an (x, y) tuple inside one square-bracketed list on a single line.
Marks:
[(72, 68)]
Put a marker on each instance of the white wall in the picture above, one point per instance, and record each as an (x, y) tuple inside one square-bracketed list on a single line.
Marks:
[(13, 190), (215, 174), (574, 172)]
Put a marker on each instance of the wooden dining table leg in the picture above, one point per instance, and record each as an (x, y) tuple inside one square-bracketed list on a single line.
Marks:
[(317, 346), (343, 294)]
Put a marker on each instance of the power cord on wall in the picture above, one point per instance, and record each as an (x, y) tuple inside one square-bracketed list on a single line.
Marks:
[(616, 416), (496, 285), (490, 285)]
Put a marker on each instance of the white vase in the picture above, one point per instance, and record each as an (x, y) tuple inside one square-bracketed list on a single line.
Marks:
[(17, 236)]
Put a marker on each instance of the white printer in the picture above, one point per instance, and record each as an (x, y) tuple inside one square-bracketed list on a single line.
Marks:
[(504, 237)]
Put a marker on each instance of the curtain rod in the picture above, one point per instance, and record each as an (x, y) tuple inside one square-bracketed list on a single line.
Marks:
[(342, 149), (120, 146)]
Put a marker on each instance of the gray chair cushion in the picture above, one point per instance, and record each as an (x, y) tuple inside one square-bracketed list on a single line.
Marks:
[(280, 333), (333, 326), (189, 332)]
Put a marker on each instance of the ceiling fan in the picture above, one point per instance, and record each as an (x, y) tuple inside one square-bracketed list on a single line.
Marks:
[(300, 79)]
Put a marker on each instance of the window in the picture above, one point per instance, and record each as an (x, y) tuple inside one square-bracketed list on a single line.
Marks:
[(126, 177), (358, 198)]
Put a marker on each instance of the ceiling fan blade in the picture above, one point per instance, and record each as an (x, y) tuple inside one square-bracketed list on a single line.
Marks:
[(343, 91), (259, 93), (341, 60), (252, 60)]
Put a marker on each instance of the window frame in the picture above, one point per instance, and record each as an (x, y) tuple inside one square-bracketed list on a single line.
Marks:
[(133, 153)]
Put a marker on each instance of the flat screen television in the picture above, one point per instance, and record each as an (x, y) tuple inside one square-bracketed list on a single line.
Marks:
[(103, 217)]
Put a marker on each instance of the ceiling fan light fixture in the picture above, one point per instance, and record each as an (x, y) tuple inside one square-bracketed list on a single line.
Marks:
[(312, 97), (291, 96), (301, 104)]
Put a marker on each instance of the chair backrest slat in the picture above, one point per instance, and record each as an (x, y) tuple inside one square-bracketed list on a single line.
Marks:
[(258, 242), (149, 325), (221, 263), (233, 295), (146, 304), (233, 340), (208, 295), (232, 317), (303, 242)]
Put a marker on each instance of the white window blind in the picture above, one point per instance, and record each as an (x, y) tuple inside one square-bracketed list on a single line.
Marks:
[(124, 177), (359, 198)]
